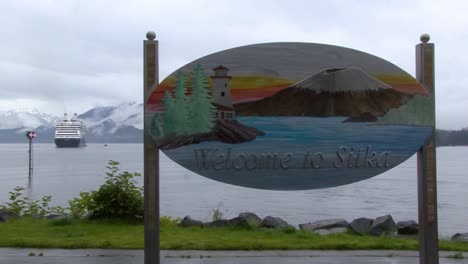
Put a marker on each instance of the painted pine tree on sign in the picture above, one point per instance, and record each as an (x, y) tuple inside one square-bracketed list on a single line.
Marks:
[(157, 129), (181, 124), (168, 105), (201, 111)]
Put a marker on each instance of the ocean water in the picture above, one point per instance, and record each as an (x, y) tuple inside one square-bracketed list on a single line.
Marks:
[(63, 173)]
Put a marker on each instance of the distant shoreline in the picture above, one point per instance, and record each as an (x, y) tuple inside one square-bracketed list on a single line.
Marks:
[(109, 143), (450, 138)]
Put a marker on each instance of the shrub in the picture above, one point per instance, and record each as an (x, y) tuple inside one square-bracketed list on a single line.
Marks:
[(23, 206), (80, 207), (168, 221), (16, 204), (119, 197), (217, 213)]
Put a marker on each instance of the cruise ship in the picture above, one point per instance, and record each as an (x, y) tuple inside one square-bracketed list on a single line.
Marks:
[(70, 132)]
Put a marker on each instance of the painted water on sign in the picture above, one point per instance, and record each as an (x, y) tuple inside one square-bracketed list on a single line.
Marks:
[(306, 149), (315, 116)]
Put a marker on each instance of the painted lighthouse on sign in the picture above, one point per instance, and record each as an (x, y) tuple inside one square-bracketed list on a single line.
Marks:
[(221, 93)]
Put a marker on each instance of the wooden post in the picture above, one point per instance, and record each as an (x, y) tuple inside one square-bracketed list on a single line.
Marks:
[(427, 170), (151, 154)]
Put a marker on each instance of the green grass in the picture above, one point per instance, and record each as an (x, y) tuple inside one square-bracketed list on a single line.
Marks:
[(40, 233), (28, 232)]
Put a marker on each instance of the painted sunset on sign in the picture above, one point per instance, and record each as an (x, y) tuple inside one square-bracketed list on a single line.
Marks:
[(243, 88), (262, 77), (251, 88), (290, 116)]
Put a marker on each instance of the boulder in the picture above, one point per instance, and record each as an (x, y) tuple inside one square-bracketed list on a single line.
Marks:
[(218, 223), (238, 221), (189, 222), (325, 224), (361, 225), (274, 222), (409, 227), (244, 219), (463, 237), (382, 225), (335, 230), (251, 218), (5, 215)]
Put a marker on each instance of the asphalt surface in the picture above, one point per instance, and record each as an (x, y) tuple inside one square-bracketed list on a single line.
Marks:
[(94, 256)]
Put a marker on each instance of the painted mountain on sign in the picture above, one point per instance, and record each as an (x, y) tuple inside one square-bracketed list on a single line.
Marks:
[(331, 92)]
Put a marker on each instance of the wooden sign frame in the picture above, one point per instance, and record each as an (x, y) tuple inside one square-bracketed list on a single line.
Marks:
[(427, 180)]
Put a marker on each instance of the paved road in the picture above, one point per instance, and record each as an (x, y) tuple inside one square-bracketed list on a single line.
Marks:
[(95, 256)]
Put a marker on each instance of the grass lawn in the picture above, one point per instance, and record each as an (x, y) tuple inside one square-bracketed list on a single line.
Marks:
[(41, 233)]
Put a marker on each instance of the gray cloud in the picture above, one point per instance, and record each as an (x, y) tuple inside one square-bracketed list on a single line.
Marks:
[(80, 54)]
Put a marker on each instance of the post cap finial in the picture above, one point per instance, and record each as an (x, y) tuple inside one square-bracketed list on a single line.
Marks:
[(150, 35), (425, 38)]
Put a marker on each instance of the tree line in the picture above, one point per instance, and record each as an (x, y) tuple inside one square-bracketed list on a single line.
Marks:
[(452, 137)]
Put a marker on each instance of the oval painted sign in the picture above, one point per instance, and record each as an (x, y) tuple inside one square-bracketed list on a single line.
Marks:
[(290, 116)]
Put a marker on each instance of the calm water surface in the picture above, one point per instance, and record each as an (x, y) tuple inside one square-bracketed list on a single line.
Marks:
[(63, 173)]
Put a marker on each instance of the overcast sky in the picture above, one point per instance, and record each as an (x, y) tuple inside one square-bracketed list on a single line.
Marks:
[(74, 55)]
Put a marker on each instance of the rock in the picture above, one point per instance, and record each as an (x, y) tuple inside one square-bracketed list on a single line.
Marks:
[(251, 218), (463, 237), (172, 142), (233, 132), (361, 225), (382, 225), (238, 221), (325, 224), (409, 227), (218, 223), (227, 131), (335, 230), (189, 222), (274, 222), (244, 219), (5, 215)]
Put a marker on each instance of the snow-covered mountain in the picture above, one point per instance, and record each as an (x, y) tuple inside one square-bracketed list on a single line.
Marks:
[(108, 119), (341, 80), (26, 119), (121, 123)]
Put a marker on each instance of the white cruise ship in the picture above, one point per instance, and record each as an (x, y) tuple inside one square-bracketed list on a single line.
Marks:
[(70, 132)]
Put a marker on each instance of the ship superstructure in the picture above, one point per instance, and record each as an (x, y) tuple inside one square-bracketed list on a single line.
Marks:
[(70, 132)]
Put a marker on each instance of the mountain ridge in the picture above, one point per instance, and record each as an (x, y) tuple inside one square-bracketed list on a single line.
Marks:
[(122, 123)]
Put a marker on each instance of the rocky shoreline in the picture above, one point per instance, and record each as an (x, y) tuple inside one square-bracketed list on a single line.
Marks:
[(226, 131), (383, 225)]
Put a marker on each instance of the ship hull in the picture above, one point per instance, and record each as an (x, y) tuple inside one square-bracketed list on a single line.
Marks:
[(70, 142)]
